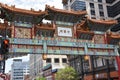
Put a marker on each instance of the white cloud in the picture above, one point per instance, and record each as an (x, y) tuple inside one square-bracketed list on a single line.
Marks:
[(35, 4)]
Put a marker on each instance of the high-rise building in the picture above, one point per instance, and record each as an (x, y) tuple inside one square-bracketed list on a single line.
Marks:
[(113, 9), (36, 65), (96, 9), (19, 69)]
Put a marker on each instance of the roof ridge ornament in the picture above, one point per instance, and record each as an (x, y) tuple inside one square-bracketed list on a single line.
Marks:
[(40, 10), (32, 9), (47, 5), (6, 5), (13, 6)]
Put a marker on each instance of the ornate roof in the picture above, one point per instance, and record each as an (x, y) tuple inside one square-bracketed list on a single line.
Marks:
[(97, 25), (115, 28), (83, 25), (83, 31), (113, 34), (48, 8), (3, 26), (88, 24), (18, 10), (87, 27), (64, 15), (113, 37), (104, 22)]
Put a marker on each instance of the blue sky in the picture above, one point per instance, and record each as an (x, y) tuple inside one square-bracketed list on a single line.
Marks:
[(28, 4)]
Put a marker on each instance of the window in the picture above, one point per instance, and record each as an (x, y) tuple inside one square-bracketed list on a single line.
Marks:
[(48, 60), (64, 60), (56, 60), (100, 6), (92, 5), (99, 0), (92, 12), (101, 13)]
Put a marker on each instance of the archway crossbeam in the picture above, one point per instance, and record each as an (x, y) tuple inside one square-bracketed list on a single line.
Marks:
[(63, 47)]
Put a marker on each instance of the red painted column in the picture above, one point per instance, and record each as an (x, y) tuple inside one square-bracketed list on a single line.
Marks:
[(118, 63), (75, 33)]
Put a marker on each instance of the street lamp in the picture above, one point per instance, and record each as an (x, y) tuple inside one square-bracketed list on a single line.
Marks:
[(44, 56), (86, 57)]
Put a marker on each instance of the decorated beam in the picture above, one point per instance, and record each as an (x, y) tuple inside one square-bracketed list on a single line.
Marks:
[(60, 47)]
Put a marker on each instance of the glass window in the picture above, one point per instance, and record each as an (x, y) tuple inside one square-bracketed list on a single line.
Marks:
[(100, 6), (99, 0), (101, 13), (92, 12), (48, 60), (64, 60), (56, 60), (92, 5)]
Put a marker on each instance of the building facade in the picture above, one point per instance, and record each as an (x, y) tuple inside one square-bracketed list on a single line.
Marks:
[(113, 9), (96, 9), (36, 65), (19, 69)]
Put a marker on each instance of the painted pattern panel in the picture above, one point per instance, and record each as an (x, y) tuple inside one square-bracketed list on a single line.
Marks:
[(22, 33), (99, 39)]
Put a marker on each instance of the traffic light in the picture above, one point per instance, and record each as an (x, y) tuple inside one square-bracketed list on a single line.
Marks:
[(5, 46)]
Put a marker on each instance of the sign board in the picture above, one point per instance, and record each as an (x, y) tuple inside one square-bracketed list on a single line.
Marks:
[(62, 31)]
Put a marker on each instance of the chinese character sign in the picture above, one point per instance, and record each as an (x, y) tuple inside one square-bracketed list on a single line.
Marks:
[(67, 32)]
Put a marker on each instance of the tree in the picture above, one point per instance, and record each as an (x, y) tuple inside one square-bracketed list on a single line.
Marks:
[(67, 73), (41, 78)]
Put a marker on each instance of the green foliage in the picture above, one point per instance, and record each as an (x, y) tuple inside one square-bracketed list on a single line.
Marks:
[(41, 78), (67, 73)]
